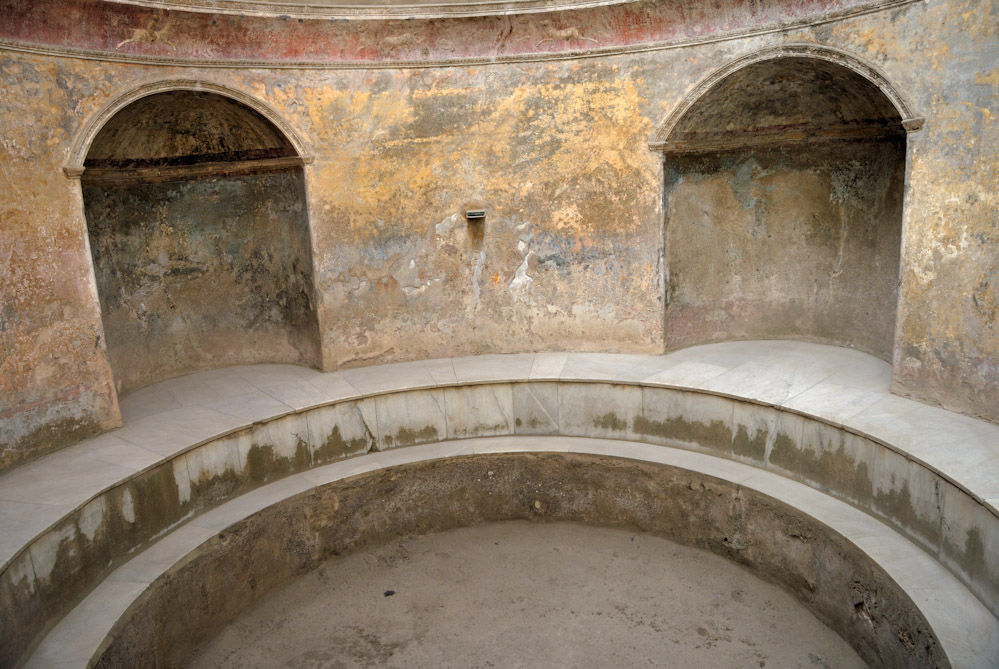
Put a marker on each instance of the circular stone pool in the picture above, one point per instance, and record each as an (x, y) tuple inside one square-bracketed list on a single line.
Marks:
[(525, 593)]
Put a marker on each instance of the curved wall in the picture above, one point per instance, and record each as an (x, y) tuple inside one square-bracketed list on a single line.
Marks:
[(552, 141)]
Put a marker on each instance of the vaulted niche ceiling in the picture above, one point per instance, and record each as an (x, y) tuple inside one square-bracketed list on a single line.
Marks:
[(185, 128), (784, 187), (199, 232), (786, 100)]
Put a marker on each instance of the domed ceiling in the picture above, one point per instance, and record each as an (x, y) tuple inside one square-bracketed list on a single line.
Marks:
[(185, 127)]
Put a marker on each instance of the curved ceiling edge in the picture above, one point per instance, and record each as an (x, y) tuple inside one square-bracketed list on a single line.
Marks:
[(94, 124), (373, 10), (139, 34)]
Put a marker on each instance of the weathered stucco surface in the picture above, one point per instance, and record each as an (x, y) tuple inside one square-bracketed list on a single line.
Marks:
[(127, 31), (571, 251), (544, 149), (55, 382), (201, 273), (199, 231), (786, 243), (947, 349)]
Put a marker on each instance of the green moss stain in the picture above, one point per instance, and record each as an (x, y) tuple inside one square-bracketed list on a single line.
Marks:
[(263, 464), (408, 437), (208, 490), (974, 557), (303, 455), (839, 473), (335, 446), (754, 447), (156, 501), (978, 566), (21, 612), (784, 453), (832, 470), (863, 485), (897, 505), (610, 421), (715, 434)]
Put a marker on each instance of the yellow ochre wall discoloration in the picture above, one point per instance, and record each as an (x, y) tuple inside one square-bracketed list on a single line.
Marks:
[(570, 254)]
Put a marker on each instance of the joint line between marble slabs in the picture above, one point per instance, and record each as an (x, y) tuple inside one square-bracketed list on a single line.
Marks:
[(264, 420), (558, 403), (442, 410), (687, 386), (330, 399), (440, 384), (181, 404), (200, 442), (542, 406), (136, 470), (850, 416), (889, 423), (806, 389)]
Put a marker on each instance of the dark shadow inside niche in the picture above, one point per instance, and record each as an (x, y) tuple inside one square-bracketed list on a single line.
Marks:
[(199, 232), (784, 186)]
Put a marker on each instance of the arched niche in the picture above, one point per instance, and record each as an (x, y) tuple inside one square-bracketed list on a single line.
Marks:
[(196, 210), (784, 183)]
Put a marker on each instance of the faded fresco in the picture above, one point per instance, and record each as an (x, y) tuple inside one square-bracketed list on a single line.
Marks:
[(202, 272), (129, 31), (571, 253)]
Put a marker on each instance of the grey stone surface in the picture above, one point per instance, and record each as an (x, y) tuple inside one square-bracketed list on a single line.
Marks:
[(406, 419), (536, 408), (479, 411)]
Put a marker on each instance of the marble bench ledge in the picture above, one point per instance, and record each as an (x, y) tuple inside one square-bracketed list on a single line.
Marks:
[(837, 385)]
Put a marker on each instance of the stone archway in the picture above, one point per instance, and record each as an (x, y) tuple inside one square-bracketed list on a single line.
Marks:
[(198, 222), (784, 183)]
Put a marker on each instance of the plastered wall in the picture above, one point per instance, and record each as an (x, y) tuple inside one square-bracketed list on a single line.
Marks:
[(786, 243), (200, 273), (571, 252)]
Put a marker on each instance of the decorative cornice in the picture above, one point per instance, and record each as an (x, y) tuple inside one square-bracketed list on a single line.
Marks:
[(741, 142), (451, 42), (110, 176), (427, 10)]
